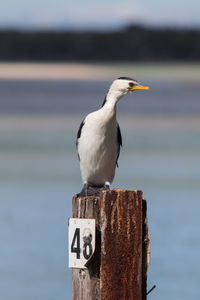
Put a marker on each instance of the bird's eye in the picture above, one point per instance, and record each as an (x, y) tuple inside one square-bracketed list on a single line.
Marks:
[(131, 84)]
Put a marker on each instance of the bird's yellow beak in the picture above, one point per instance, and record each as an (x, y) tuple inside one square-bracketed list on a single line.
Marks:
[(138, 87)]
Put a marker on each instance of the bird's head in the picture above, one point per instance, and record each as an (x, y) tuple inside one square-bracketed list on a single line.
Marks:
[(124, 85)]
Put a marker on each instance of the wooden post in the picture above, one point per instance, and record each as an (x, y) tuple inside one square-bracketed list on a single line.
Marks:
[(86, 282), (118, 268)]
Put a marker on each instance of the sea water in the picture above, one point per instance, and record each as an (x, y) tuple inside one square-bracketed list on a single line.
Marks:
[(39, 173)]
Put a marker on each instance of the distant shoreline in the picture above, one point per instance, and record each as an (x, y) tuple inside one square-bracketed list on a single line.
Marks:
[(134, 42), (99, 71)]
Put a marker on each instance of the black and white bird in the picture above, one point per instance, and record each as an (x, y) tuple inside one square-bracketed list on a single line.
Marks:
[(99, 139)]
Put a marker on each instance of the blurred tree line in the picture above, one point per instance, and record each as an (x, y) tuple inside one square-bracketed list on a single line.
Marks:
[(133, 43)]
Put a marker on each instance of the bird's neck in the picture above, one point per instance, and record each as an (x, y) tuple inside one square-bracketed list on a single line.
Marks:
[(111, 100)]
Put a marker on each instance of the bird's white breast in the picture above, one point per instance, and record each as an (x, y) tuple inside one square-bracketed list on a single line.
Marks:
[(98, 148)]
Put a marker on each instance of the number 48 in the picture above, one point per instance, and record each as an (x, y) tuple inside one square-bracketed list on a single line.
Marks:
[(76, 245)]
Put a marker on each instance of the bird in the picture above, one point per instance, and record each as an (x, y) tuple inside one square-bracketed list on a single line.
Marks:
[(99, 139)]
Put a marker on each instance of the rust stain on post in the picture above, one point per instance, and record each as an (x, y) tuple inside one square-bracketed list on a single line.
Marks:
[(121, 221)]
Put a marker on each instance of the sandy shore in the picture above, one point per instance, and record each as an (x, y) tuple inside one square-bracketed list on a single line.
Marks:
[(101, 71)]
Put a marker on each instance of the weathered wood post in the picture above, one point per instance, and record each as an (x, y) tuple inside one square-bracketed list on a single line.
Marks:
[(118, 267)]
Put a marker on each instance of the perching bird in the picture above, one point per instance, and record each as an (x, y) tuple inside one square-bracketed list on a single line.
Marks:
[(99, 139)]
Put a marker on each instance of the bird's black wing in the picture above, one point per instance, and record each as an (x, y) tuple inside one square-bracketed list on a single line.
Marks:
[(119, 142), (104, 101), (79, 134)]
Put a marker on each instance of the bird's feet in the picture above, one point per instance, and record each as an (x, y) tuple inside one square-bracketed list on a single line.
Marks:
[(107, 185), (92, 190)]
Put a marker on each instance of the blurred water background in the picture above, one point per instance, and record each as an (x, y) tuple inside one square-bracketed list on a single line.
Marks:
[(40, 173)]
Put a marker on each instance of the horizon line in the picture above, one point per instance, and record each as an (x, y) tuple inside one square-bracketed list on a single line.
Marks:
[(98, 28)]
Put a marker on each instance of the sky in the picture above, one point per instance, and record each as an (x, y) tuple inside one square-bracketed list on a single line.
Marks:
[(93, 14)]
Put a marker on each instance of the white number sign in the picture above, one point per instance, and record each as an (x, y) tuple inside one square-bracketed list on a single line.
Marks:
[(81, 241)]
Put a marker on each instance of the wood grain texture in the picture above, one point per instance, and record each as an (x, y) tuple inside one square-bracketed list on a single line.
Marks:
[(121, 245), (86, 282)]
